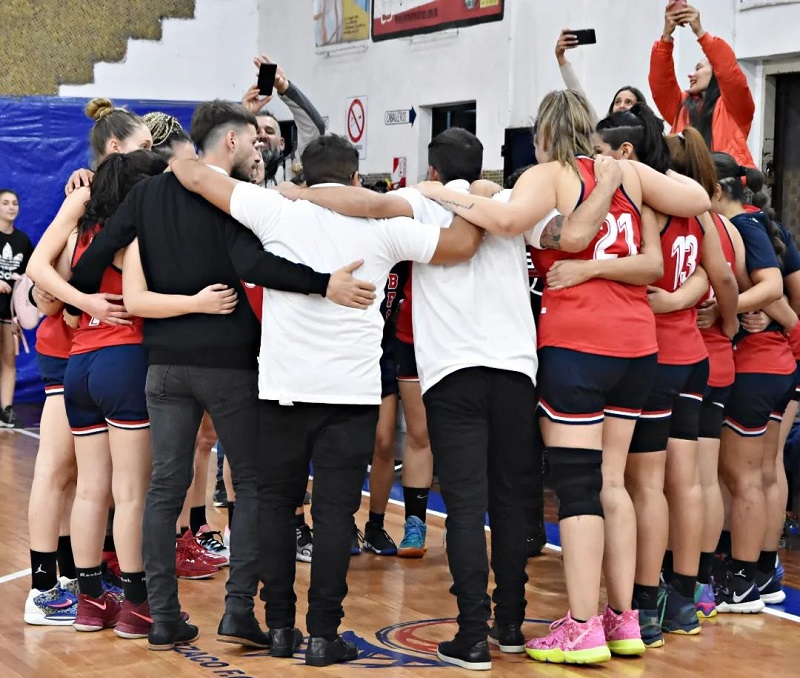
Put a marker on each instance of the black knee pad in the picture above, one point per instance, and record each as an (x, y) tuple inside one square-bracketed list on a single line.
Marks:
[(577, 478)]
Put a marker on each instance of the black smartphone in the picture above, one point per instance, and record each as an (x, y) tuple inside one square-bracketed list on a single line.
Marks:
[(585, 37), (266, 79)]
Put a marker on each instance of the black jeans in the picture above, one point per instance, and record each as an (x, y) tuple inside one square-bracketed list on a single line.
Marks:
[(481, 423), (339, 441), (177, 395)]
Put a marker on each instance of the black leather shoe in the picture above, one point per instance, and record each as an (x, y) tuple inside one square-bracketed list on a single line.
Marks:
[(507, 638), (473, 657), (166, 635), (284, 642), (241, 629), (321, 652)]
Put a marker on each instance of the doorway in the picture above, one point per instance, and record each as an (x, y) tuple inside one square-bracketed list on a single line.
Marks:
[(454, 115), (786, 155)]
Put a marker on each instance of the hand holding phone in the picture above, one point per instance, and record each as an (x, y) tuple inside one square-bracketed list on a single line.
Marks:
[(266, 79), (584, 37)]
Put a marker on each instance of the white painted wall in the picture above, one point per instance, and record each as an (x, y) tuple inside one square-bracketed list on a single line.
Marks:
[(506, 67), (196, 59)]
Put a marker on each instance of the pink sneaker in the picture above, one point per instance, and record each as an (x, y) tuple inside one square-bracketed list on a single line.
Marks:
[(95, 614), (571, 643), (623, 635)]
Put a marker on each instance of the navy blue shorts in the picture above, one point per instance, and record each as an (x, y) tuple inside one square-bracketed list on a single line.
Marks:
[(712, 411), (757, 399), (796, 394), (106, 388), (388, 367), (672, 409), (583, 388), (52, 372), (406, 361)]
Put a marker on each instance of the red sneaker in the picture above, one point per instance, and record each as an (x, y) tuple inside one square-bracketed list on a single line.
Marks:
[(96, 614), (188, 565), (197, 552), (135, 621)]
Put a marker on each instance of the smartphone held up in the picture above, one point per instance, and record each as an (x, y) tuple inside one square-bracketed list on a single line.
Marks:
[(584, 37), (266, 79)]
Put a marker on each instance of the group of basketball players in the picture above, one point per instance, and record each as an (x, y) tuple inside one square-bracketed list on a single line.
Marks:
[(664, 353)]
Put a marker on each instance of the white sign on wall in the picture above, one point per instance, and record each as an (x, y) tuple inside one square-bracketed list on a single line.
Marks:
[(753, 4), (355, 124)]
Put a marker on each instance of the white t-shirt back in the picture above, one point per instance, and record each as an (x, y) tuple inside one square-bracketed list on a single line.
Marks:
[(473, 314), (313, 350)]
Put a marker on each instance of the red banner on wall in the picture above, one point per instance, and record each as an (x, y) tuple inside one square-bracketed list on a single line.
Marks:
[(399, 18)]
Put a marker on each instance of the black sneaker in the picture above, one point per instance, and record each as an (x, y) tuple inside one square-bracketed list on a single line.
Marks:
[(769, 588), (166, 635), (7, 417), (284, 642), (736, 594), (536, 543), (241, 629), (355, 544), (220, 495), (322, 652), (507, 638), (305, 544), (377, 540), (473, 657)]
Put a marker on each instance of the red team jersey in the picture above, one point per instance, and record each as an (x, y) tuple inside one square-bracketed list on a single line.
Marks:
[(92, 334), (255, 297), (54, 337), (679, 340), (587, 317), (722, 369)]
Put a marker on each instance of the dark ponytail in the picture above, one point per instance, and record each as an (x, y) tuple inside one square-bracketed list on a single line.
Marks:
[(729, 177), (691, 157), (701, 110), (115, 177), (641, 128)]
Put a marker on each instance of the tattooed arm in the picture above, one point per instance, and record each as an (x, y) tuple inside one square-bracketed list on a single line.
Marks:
[(532, 207)]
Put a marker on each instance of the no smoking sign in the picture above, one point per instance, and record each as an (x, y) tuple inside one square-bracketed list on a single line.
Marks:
[(356, 124)]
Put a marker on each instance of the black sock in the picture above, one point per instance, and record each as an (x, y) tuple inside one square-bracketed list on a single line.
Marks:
[(706, 565), (90, 581), (416, 501), (646, 597), (299, 519), (376, 519), (66, 563), (616, 612), (134, 587), (666, 565), (580, 621), (766, 561), (108, 543), (724, 544), (683, 584), (197, 518), (743, 568), (43, 570), (231, 508)]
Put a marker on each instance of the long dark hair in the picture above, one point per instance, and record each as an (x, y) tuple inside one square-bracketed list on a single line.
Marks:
[(641, 128), (691, 157), (115, 177), (701, 110), (640, 98), (729, 178)]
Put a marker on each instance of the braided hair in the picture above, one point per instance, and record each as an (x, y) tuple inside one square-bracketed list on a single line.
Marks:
[(166, 132)]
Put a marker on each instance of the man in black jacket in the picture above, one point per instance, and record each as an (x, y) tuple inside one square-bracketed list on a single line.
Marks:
[(202, 362)]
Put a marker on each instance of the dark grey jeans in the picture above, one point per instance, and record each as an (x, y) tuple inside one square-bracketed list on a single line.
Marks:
[(177, 395)]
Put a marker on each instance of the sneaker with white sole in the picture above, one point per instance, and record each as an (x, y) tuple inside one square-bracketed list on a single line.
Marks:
[(738, 595), (55, 607), (211, 541), (305, 543)]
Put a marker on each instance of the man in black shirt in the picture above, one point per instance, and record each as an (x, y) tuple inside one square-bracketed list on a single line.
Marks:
[(201, 362)]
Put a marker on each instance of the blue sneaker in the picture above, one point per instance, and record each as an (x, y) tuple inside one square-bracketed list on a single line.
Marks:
[(678, 613), (778, 569), (413, 544), (56, 607), (704, 601), (115, 591)]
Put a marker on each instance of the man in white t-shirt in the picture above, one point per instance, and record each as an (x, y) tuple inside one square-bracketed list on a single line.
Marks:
[(319, 378)]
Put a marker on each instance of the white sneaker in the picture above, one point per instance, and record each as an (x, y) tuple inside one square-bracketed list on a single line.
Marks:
[(56, 607), (207, 538)]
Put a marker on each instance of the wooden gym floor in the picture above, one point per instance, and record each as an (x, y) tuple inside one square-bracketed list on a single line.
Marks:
[(397, 610)]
